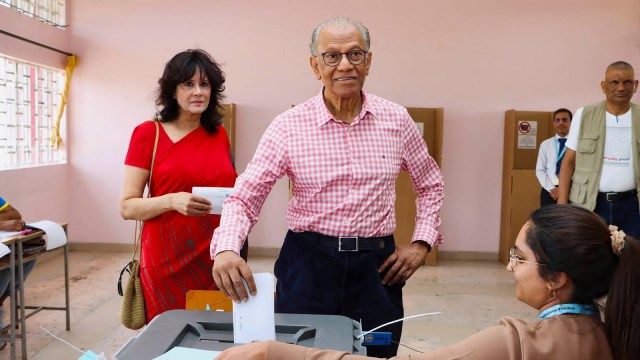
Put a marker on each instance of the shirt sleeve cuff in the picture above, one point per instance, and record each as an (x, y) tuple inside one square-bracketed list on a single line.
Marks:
[(429, 235), (218, 246)]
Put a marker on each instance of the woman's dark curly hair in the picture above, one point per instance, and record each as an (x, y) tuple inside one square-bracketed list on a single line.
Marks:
[(180, 69)]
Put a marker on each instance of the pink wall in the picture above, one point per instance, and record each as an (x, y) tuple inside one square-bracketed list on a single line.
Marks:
[(475, 59), (41, 192)]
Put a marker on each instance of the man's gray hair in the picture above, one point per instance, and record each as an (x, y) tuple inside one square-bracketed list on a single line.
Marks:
[(620, 65), (313, 46)]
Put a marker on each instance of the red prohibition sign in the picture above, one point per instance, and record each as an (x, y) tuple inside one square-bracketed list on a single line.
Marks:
[(524, 127)]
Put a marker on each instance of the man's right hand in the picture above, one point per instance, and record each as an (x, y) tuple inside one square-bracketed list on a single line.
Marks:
[(229, 270), (12, 225), (554, 194)]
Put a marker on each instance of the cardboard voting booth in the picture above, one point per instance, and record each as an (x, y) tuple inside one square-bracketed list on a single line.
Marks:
[(229, 123), (523, 133)]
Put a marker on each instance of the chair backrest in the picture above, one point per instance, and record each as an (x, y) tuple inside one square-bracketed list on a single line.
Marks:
[(199, 299)]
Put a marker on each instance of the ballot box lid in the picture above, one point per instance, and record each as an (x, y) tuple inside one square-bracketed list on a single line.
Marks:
[(213, 330)]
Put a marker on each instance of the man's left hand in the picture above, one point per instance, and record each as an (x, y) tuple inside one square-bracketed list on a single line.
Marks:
[(404, 262)]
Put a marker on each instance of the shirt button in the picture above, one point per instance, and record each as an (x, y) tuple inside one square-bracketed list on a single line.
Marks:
[(346, 222)]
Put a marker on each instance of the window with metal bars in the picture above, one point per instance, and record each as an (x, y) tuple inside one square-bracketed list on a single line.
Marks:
[(29, 104), (48, 11)]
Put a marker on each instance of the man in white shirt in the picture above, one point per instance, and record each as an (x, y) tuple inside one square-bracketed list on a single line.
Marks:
[(601, 167), (550, 157)]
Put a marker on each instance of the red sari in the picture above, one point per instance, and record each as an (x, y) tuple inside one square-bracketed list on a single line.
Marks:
[(175, 248)]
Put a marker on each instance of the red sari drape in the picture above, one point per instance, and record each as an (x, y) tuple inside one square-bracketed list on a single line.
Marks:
[(175, 248)]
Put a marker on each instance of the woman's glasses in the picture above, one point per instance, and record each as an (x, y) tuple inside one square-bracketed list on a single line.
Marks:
[(514, 259)]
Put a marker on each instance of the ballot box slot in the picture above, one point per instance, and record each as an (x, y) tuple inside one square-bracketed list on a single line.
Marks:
[(195, 333)]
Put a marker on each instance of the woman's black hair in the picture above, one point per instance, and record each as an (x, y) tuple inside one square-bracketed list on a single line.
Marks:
[(577, 242), (180, 69)]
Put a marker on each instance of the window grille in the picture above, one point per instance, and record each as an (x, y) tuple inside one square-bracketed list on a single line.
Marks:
[(48, 11), (29, 103)]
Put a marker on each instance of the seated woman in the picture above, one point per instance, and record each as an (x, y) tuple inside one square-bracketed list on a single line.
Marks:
[(10, 220), (565, 258)]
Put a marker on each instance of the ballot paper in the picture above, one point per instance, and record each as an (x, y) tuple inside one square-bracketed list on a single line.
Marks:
[(181, 353), (4, 250), (216, 195), (54, 233), (7, 234), (254, 320)]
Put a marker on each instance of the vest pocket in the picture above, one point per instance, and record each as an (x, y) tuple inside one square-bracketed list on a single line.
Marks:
[(578, 192), (587, 143)]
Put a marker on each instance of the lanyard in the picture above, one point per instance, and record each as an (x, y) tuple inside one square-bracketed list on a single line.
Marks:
[(568, 309), (555, 145)]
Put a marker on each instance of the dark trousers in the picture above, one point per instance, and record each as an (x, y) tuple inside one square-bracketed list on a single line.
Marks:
[(316, 279), (545, 198), (623, 213)]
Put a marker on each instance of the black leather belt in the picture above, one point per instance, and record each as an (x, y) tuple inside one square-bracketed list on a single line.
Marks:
[(353, 243), (617, 196)]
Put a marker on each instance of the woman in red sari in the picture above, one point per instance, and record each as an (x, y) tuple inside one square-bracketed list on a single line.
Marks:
[(193, 150)]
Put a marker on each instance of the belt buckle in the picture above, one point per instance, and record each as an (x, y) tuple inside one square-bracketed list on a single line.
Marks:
[(347, 237), (613, 194)]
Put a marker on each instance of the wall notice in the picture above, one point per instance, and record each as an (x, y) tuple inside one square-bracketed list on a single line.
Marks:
[(420, 126), (527, 131)]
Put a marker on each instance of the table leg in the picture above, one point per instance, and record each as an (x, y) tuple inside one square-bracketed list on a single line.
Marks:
[(66, 286), (12, 301), (23, 324)]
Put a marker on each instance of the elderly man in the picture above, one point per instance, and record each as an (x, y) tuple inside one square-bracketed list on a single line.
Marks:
[(343, 150), (601, 168), (550, 157)]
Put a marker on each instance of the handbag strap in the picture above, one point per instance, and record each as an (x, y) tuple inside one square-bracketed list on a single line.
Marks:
[(138, 234)]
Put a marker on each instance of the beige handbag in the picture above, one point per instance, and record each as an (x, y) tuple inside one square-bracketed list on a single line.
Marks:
[(132, 310)]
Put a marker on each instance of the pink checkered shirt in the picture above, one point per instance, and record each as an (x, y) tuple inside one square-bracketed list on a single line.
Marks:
[(343, 175)]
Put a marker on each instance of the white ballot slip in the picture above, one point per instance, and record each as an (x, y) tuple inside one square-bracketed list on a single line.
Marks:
[(54, 233), (4, 250), (7, 234), (216, 195), (181, 353), (254, 320)]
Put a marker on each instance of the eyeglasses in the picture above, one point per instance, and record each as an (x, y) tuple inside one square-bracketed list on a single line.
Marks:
[(333, 58), (514, 259), (564, 120)]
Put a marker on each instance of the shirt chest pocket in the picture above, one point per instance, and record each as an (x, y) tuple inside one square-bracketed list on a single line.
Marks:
[(383, 162)]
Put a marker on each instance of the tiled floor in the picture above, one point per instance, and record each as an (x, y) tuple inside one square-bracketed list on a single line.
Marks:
[(471, 296)]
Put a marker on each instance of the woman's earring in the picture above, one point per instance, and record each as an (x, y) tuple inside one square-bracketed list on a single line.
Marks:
[(552, 293)]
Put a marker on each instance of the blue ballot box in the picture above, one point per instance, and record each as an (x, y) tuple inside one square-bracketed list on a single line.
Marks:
[(207, 330)]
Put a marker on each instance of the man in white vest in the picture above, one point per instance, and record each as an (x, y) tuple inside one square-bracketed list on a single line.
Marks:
[(550, 157), (601, 166)]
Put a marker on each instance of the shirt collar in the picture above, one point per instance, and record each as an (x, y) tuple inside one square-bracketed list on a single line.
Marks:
[(324, 115)]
